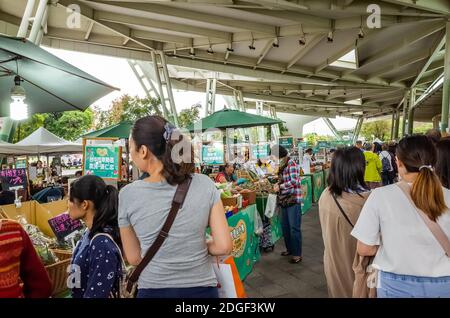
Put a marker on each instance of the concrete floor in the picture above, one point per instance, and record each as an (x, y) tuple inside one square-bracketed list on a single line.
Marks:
[(274, 277)]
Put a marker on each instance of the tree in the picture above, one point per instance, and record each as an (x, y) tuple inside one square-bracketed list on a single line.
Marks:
[(422, 128), (68, 125), (189, 116), (127, 108), (380, 129), (313, 138)]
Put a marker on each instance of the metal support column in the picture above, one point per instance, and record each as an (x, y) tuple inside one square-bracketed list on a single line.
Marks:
[(332, 128), (211, 84), (396, 125), (392, 125), (144, 72), (412, 101), (37, 22), (357, 129), (23, 28), (43, 26), (405, 112), (163, 82), (446, 84)]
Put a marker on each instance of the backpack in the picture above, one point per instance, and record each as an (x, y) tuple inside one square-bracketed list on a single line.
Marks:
[(386, 164)]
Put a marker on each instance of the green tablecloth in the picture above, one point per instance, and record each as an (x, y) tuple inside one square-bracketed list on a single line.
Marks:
[(317, 184), (245, 242), (307, 194), (326, 173), (275, 221)]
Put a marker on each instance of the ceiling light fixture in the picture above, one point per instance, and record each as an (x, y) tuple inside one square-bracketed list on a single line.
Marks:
[(18, 109)]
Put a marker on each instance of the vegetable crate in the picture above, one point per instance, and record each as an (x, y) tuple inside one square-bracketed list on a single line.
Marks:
[(58, 276)]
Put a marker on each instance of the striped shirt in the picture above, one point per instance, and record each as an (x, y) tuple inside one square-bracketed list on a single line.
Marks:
[(291, 181)]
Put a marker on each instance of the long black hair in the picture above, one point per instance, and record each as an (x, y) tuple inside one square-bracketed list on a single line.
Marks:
[(105, 199), (151, 131), (443, 161), (347, 171)]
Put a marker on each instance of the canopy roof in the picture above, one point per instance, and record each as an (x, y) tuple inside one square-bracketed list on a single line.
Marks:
[(120, 130), (228, 118), (41, 141), (51, 84)]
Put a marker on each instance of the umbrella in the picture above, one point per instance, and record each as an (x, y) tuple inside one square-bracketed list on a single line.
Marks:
[(228, 118), (51, 84), (120, 130)]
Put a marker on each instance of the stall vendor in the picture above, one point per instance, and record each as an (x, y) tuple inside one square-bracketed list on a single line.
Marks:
[(226, 174), (307, 161)]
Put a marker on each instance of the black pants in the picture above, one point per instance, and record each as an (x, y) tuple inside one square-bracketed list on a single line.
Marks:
[(387, 177)]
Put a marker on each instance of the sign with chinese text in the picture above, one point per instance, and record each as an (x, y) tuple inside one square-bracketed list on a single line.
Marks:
[(286, 142), (260, 151), (62, 225), (102, 161), (213, 154), (14, 178)]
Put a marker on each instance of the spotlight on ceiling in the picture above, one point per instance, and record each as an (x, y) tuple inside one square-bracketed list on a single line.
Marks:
[(275, 43), (330, 36), (251, 47), (302, 41), (361, 33), (191, 52), (210, 51), (229, 49)]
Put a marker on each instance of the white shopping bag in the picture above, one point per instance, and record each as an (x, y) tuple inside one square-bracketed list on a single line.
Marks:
[(225, 279), (271, 205)]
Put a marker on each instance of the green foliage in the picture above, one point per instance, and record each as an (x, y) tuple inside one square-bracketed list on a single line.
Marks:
[(127, 108), (422, 128), (189, 116), (380, 129), (68, 125), (313, 138)]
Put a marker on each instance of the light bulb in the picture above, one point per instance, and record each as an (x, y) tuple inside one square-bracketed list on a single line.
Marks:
[(18, 109)]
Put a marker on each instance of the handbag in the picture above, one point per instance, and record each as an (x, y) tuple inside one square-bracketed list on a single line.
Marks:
[(434, 227), (229, 281), (366, 275), (128, 284)]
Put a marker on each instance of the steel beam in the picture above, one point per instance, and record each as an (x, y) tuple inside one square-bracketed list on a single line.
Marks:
[(446, 84)]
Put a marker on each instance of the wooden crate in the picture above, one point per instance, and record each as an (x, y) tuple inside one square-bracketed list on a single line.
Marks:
[(58, 276)]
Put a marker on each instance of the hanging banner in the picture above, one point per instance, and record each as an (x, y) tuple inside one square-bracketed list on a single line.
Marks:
[(260, 151), (286, 142), (103, 161)]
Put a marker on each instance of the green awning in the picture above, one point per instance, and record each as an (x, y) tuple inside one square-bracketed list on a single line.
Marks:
[(228, 118), (120, 130), (51, 84)]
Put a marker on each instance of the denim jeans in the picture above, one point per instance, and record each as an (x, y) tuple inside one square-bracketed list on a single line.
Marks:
[(405, 286), (291, 220), (194, 292)]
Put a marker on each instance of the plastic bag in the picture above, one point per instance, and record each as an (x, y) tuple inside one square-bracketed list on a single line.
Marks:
[(259, 226), (271, 205)]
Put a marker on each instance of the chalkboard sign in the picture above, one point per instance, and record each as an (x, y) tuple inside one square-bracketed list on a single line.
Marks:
[(103, 161), (14, 178), (213, 154), (62, 225)]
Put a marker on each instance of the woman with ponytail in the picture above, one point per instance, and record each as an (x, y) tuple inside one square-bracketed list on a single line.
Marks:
[(181, 267), (97, 262), (395, 225)]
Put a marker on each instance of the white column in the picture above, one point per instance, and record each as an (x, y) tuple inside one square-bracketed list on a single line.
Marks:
[(38, 20), (23, 28)]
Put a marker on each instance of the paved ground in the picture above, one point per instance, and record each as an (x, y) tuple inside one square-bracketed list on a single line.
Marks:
[(273, 276)]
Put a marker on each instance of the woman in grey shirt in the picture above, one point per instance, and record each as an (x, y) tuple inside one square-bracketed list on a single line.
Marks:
[(181, 268)]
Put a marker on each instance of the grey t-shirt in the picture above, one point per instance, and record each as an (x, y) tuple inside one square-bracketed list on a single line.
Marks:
[(182, 260)]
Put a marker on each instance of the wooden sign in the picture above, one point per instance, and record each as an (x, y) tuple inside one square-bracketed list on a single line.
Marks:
[(62, 225)]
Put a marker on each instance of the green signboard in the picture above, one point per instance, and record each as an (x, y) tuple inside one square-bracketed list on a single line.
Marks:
[(260, 151), (21, 164), (213, 154), (323, 144), (286, 142), (102, 161), (307, 193), (245, 242), (303, 145)]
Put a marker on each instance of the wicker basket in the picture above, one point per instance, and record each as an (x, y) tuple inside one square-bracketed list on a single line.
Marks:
[(62, 255), (58, 275)]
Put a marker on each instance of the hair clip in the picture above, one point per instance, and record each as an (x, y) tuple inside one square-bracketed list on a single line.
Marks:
[(168, 131)]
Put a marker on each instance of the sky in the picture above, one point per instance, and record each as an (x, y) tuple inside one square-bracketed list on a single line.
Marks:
[(116, 72)]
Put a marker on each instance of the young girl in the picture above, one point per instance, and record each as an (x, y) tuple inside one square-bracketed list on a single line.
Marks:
[(97, 260)]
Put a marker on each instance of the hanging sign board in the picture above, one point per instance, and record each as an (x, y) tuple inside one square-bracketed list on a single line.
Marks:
[(14, 178), (260, 151), (213, 154), (21, 164), (103, 161), (286, 142)]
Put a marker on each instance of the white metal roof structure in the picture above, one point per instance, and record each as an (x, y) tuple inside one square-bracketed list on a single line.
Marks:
[(312, 57)]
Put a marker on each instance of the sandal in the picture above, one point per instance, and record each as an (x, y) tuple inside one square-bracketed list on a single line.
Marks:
[(296, 260), (286, 253)]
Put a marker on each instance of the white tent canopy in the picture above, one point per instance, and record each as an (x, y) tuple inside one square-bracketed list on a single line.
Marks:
[(41, 142)]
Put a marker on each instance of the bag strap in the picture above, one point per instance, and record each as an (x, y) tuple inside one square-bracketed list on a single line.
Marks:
[(434, 227), (342, 210), (114, 242), (177, 202)]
